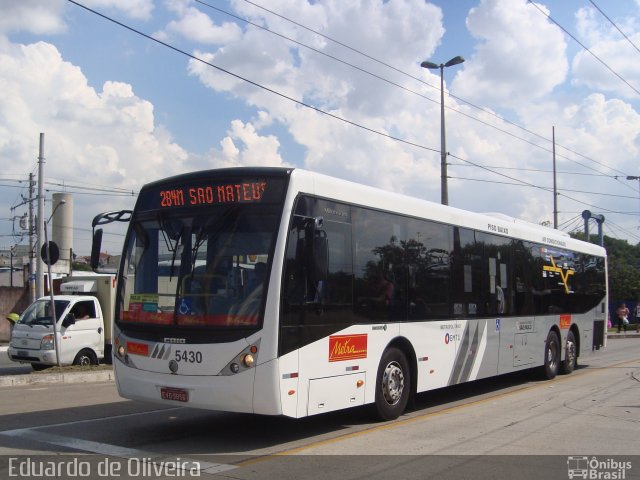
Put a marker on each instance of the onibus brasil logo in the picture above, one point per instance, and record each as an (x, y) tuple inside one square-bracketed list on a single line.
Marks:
[(597, 469)]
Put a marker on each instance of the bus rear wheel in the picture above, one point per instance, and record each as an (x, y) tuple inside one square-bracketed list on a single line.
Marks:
[(570, 356), (551, 356), (393, 384)]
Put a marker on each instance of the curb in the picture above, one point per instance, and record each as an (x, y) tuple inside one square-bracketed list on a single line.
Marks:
[(48, 378), (611, 336)]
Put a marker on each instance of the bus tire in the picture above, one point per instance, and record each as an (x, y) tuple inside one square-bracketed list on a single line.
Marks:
[(393, 384), (85, 358), (551, 356), (570, 355)]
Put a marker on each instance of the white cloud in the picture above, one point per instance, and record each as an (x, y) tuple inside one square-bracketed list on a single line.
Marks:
[(92, 137), (138, 9), (243, 146), (614, 69), (198, 27), (32, 16), (520, 55), (399, 38)]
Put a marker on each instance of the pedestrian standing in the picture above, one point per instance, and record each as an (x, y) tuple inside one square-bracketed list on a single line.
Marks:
[(623, 317)]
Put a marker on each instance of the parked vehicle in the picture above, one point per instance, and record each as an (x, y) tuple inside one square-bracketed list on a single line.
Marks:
[(84, 314)]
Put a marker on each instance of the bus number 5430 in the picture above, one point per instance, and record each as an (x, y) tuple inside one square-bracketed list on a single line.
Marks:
[(189, 356)]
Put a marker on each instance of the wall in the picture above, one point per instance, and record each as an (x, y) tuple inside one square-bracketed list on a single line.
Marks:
[(11, 300)]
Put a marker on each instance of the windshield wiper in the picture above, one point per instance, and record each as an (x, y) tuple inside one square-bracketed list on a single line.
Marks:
[(175, 253), (172, 245)]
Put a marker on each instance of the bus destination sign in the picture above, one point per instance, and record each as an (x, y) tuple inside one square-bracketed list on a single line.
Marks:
[(228, 193)]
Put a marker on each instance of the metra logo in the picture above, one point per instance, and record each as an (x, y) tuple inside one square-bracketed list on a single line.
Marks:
[(347, 347)]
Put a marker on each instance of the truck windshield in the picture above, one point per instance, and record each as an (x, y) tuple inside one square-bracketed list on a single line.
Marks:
[(198, 267), (39, 312)]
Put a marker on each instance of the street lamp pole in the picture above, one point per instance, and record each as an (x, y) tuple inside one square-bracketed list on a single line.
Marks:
[(54, 320), (444, 189), (635, 177)]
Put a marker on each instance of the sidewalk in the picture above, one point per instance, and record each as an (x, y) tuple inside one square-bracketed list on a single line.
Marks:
[(627, 334), (8, 378)]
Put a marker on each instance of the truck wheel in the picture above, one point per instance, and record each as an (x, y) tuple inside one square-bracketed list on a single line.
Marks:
[(393, 385), (570, 356), (85, 358), (551, 356)]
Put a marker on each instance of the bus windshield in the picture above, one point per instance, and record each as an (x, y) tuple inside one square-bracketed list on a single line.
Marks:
[(198, 267)]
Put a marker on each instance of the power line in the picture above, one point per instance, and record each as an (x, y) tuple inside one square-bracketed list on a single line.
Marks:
[(540, 170), (482, 109), (616, 26), (317, 109), (256, 84), (521, 182), (572, 219), (544, 188), (585, 47)]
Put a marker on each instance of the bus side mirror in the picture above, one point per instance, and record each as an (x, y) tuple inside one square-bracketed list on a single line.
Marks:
[(96, 246)]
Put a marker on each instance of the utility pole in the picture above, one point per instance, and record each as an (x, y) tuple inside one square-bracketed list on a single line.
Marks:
[(32, 253), (40, 222), (555, 187)]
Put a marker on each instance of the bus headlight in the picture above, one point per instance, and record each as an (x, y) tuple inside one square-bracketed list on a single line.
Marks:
[(47, 342), (248, 360), (245, 360)]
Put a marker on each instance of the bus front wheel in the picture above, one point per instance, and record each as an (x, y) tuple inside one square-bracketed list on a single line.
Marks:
[(551, 356), (393, 384)]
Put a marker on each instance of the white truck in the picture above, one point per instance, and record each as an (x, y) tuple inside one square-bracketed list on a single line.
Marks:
[(84, 313)]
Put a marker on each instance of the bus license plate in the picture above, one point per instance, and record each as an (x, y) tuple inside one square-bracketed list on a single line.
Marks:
[(177, 394)]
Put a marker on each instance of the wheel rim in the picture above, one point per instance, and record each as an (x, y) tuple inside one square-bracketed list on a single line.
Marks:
[(84, 361), (393, 383), (552, 355), (571, 352)]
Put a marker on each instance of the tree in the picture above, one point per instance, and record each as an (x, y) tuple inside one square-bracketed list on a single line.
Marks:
[(624, 267)]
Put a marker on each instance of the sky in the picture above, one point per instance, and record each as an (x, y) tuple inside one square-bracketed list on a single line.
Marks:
[(131, 91)]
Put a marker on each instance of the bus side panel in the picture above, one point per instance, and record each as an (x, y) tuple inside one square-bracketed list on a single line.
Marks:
[(520, 345), (477, 350), (288, 381), (348, 352), (435, 349), (267, 398)]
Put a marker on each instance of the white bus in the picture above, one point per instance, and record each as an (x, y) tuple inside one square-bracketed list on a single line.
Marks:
[(284, 292)]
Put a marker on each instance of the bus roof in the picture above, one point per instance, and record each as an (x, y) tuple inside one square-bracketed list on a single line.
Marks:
[(336, 189)]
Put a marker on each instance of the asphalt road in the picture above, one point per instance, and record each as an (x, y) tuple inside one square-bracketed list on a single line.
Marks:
[(509, 427)]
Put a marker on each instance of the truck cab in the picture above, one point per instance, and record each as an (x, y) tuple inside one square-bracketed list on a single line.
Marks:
[(83, 319)]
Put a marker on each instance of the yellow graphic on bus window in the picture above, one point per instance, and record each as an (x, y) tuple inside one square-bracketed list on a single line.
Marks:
[(564, 274)]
